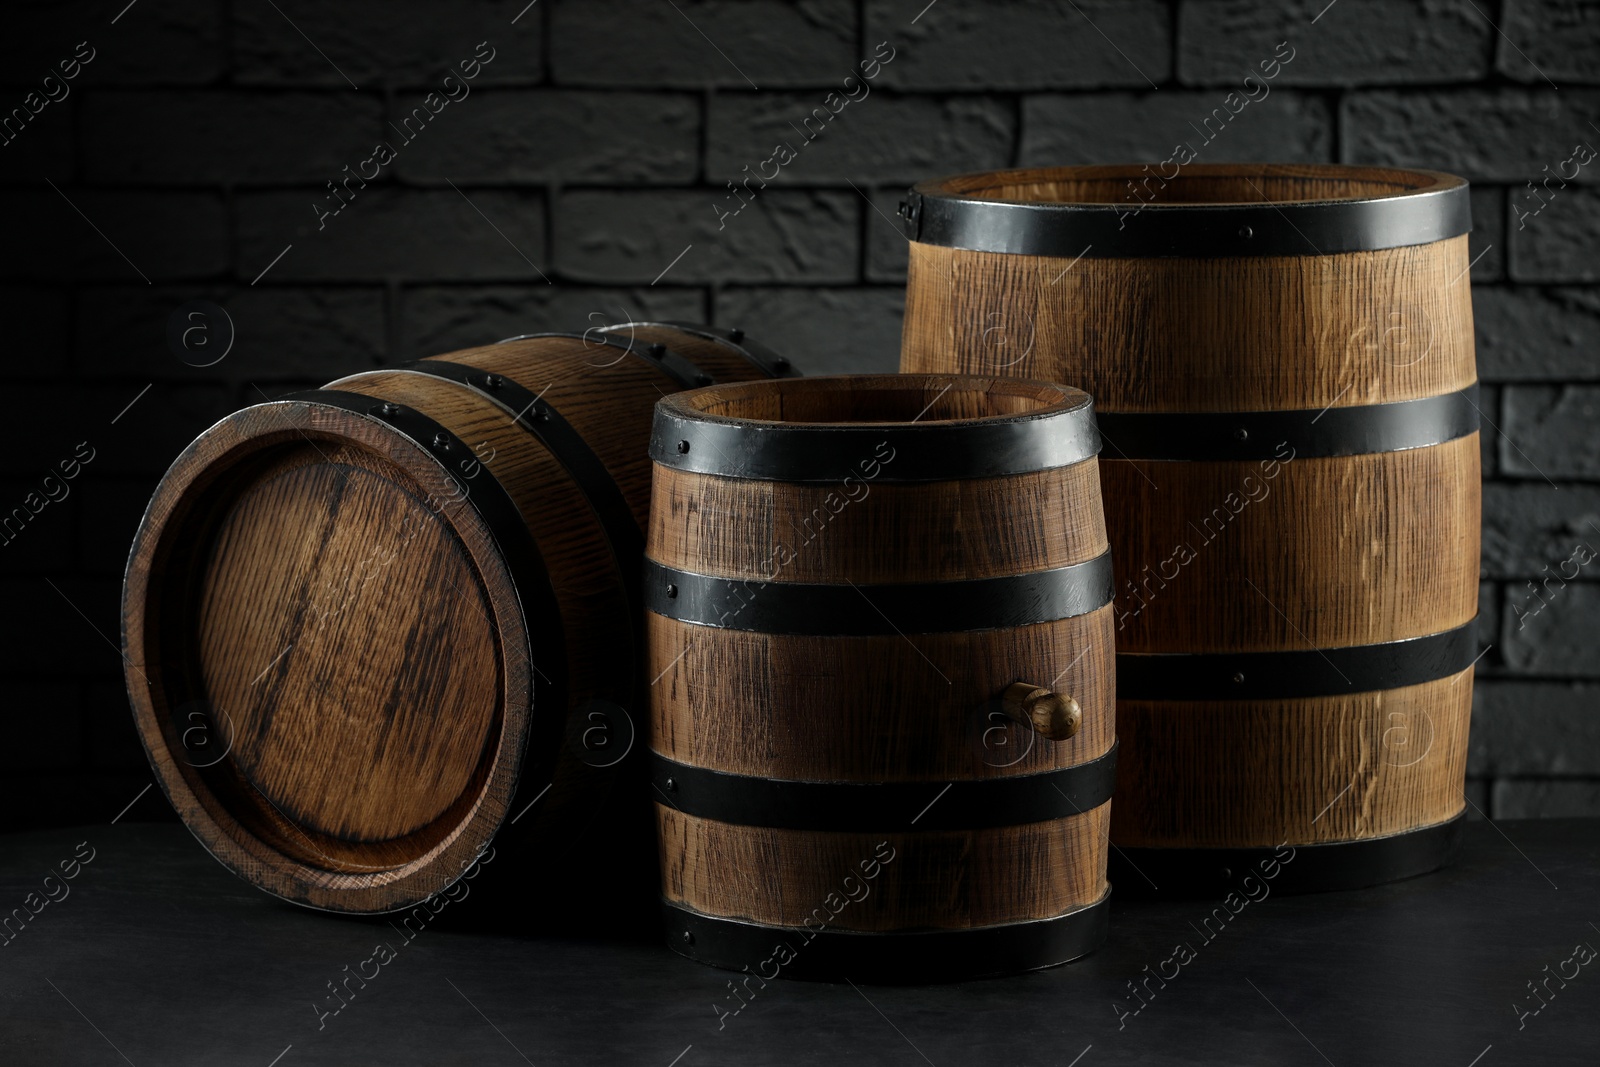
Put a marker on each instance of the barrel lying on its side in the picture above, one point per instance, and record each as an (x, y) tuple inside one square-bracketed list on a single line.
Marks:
[(860, 589), (1282, 361), (366, 626)]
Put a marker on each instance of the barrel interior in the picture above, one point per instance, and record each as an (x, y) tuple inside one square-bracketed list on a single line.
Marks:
[(1221, 184), (881, 399), (299, 554)]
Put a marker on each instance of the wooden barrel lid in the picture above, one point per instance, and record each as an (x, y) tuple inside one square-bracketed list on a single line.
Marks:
[(328, 656)]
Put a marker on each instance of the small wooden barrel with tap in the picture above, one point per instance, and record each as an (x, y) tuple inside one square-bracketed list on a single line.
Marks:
[(879, 632)]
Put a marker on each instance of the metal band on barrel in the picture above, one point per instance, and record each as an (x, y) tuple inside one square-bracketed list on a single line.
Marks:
[(1315, 868), (817, 952), (903, 452), (670, 363), (866, 610), (1179, 436), (566, 444), (883, 807), (1139, 229), (758, 355), (1295, 674)]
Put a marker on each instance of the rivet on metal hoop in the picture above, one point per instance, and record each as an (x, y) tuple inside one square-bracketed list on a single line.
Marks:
[(672, 785), (656, 351), (672, 591), (683, 448), (493, 381), (441, 441), (1238, 677), (1241, 434), (1246, 232), (388, 411), (735, 334)]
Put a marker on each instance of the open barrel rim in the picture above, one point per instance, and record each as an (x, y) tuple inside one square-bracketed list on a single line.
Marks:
[(1425, 206), (1058, 431)]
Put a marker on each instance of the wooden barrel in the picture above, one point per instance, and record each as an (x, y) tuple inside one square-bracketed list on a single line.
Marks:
[(369, 626), (1282, 362), (882, 724)]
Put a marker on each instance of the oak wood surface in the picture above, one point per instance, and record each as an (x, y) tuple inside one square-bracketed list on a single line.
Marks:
[(898, 707), (320, 597), (943, 880), (1307, 553)]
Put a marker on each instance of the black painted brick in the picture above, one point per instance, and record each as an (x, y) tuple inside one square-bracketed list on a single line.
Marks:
[(373, 43), (1549, 431), (392, 233), (1531, 334), (437, 319), (1507, 135), (536, 135), (1351, 42), (695, 43), (216, 136), (877, 138), (1023, 44), (824, 331), (1149, 127), (1560, 243), (635, 236), (1558, 40)]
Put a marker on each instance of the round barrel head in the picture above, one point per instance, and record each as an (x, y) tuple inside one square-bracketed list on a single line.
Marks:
[(328, 659)]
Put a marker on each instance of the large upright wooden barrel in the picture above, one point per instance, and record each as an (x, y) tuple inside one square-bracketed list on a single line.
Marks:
[(369, 626), (882, 703), (1282, 362)]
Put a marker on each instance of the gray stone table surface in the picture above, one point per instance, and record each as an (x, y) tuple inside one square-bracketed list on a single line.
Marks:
[(152, 954)]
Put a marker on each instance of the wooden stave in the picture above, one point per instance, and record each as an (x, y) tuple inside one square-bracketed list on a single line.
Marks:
[(596, 604), (675, 730), (1338, 349)]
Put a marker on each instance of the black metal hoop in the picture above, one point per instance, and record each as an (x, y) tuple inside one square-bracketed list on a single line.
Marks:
[(1319, 868), (887, 958), (864, 610), (677, 367), (549, 428), (1192, 676), (1139, 229), (874, 807), (901, 452), (758, 355), (1244, 435)]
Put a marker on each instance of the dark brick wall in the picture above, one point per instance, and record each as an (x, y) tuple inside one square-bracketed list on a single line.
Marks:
[(579, 180)]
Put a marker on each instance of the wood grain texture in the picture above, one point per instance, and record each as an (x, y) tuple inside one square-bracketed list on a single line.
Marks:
[(917, 708), (320, 594), (1288, 554), (1241, 773), (945, 880), (1314, 552), (222, 708), (1250, 334), (866, 709), (734, 527), (599, 389)]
